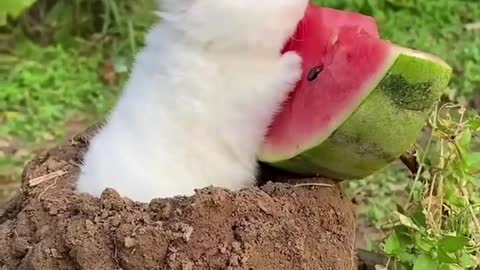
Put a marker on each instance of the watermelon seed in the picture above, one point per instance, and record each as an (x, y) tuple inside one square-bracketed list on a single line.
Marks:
[(314, 72)]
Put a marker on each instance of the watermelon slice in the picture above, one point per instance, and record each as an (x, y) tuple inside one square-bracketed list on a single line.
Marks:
[(361, 103)]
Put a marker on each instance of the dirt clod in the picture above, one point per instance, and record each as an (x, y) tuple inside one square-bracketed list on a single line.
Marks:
[(273, 227)]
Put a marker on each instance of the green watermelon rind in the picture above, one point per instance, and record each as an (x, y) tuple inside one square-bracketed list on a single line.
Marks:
[(384, 126)]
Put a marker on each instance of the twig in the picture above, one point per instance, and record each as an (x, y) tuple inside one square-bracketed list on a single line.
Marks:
[(433, 123), (472, 26), (476, 222), (47, 188), (439, 192), (430, 195), (47, 177), (313, 185)]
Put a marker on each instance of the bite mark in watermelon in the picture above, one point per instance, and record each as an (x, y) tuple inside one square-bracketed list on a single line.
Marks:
[(361, 102)]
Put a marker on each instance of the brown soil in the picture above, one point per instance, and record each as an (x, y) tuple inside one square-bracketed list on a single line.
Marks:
[(272, 227), (20, 151)]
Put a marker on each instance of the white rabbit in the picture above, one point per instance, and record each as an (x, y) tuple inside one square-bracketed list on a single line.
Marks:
[(199, 101)]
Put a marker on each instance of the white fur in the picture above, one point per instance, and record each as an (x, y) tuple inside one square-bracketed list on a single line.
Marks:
[(199, 101)]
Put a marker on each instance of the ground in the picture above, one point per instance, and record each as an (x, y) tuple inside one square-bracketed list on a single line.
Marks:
[(275, 226)]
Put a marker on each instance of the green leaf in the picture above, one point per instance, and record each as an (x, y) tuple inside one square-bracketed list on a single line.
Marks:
[(465, 140), (468, 260), (406, 221), (452, 243), (445, 257), (375, 214), (474, 123), (406, 258), (449, 266), (15, 7), (3, 18), (398, 244), (419, 218), (425, 262), (452, 194), (473, 160), (392, 244), (424, 243)]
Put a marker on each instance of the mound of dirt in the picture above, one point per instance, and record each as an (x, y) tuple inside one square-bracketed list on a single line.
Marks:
[(272, 227)]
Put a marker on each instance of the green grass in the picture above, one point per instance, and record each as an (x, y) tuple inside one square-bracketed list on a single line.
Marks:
[(46, 86), (378, 194), (42, 86)]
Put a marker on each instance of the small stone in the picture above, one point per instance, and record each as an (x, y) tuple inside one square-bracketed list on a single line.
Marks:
[(129, 242), (187, 265), (115, 221), (54, 165), (234, 260), (223, 249), (237, 247), (20, 247), (53, 211), (89, 225), (188, 230), (54, 253)]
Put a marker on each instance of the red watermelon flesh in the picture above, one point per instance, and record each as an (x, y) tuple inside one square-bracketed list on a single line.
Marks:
[(329, 41)]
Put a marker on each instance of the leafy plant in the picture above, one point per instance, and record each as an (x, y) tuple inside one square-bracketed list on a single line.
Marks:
[(439, 227), (118, 23), (42, 90), (13, 8)]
